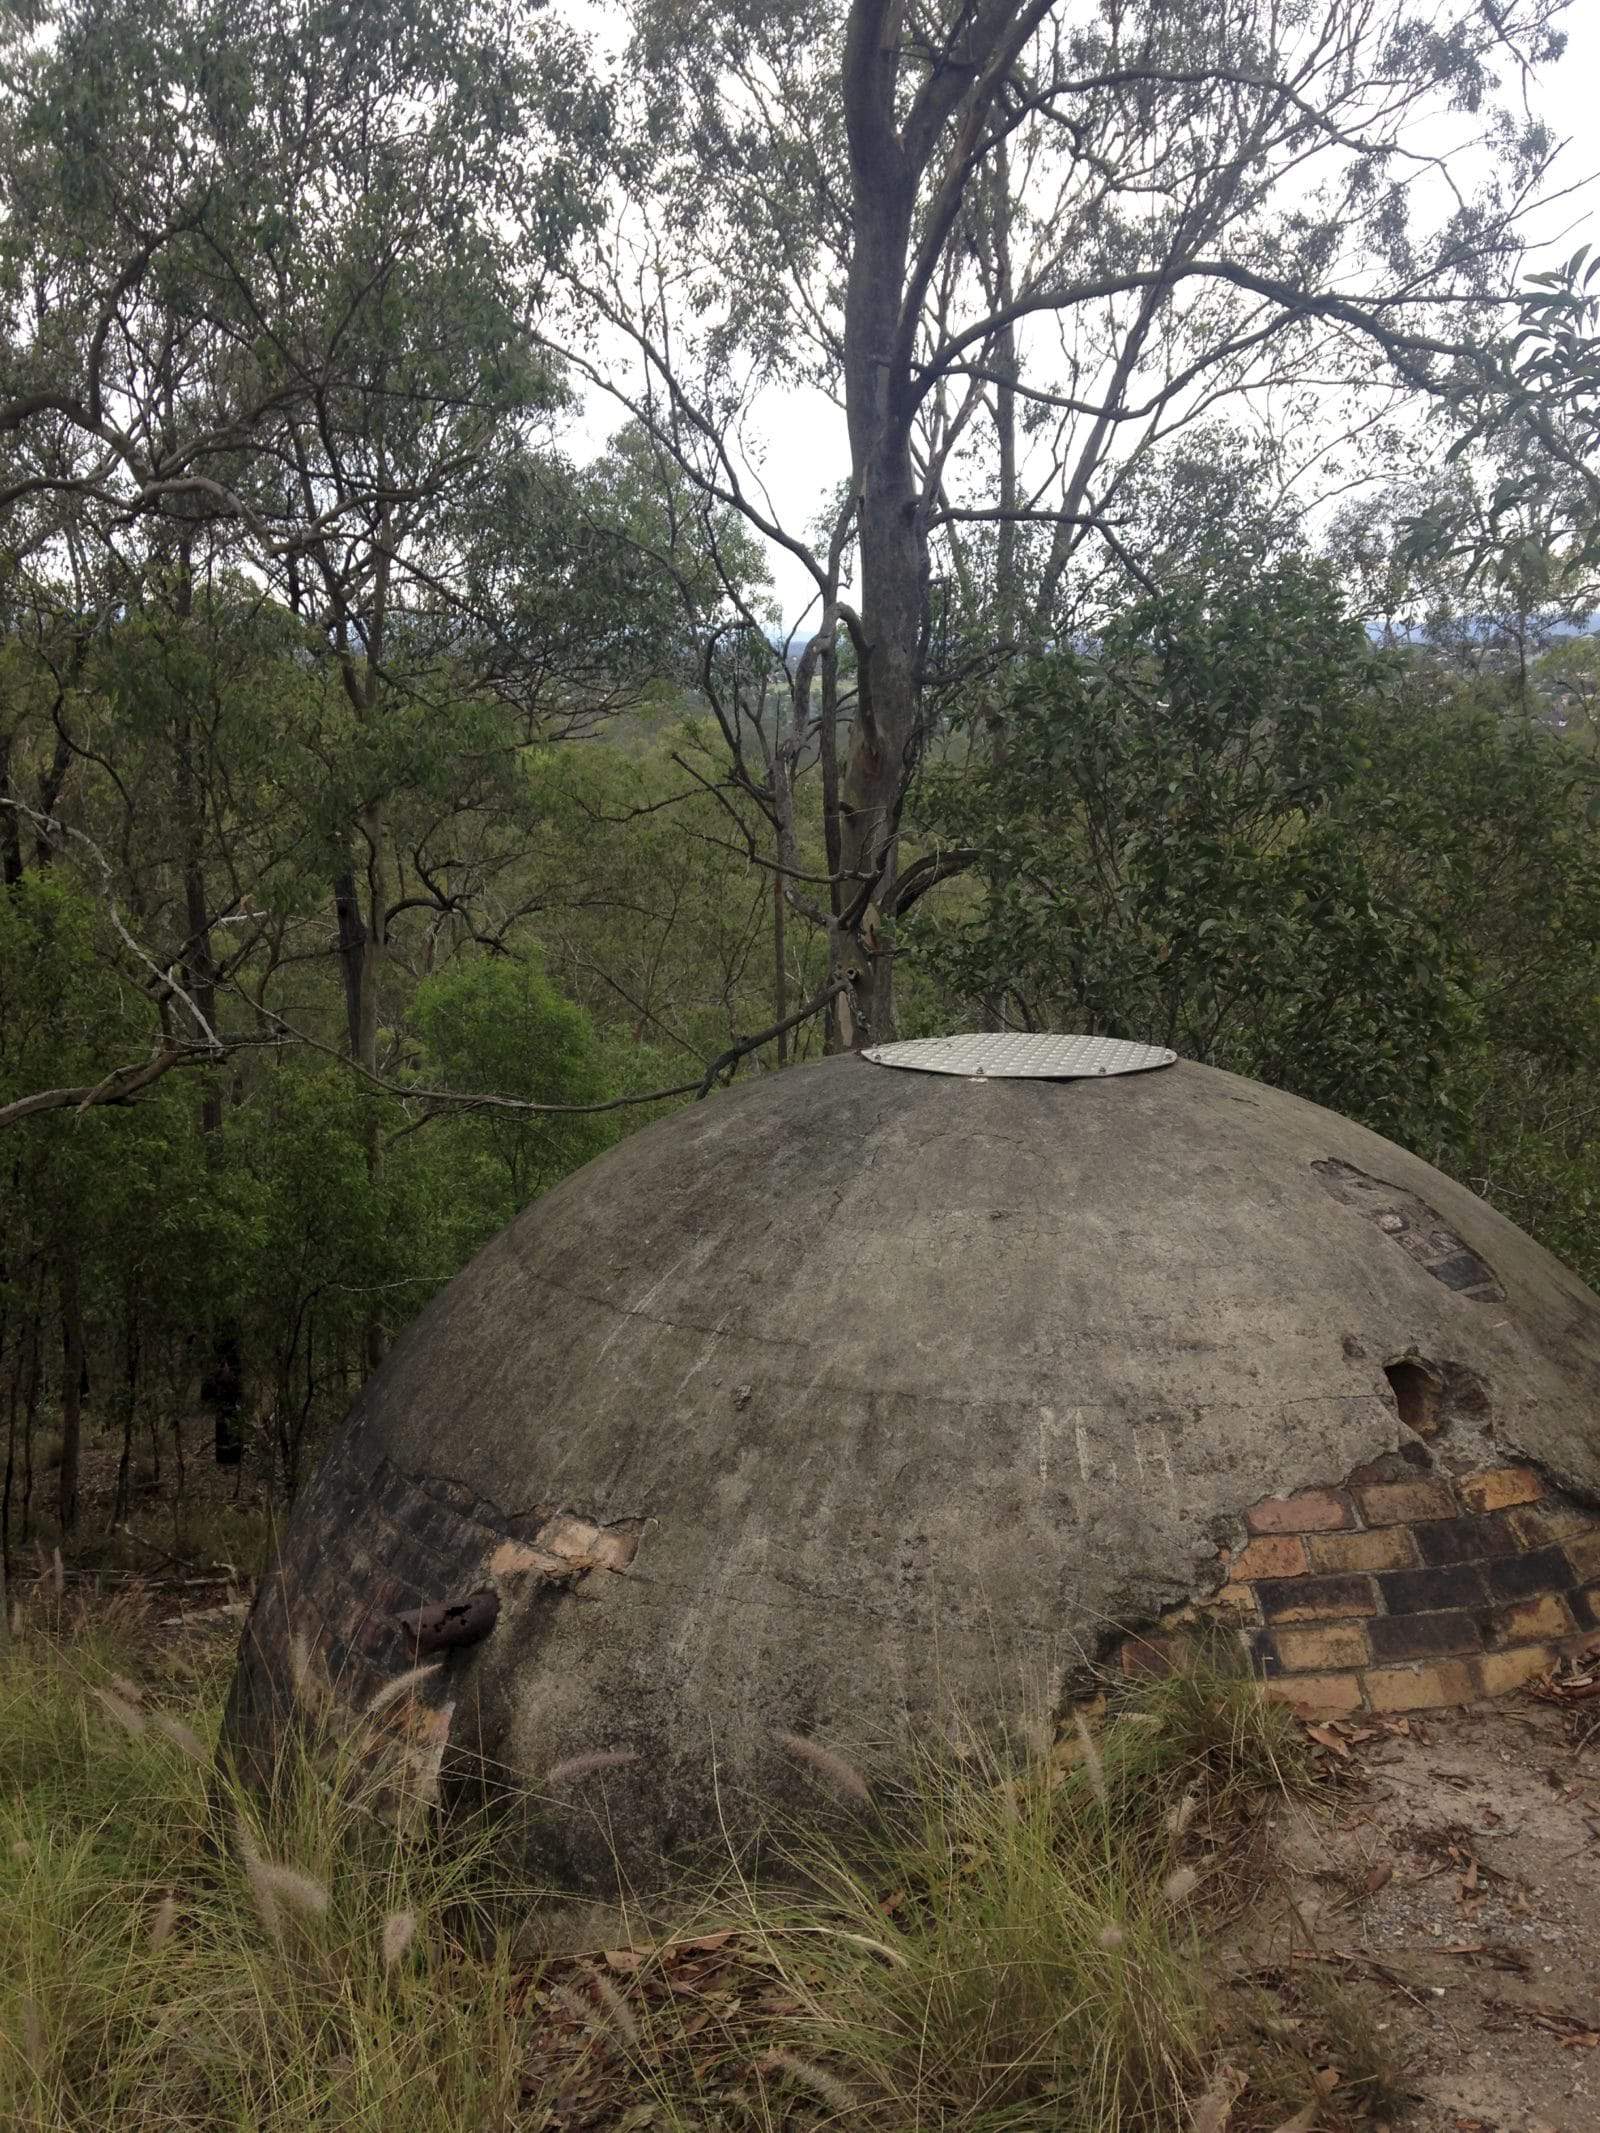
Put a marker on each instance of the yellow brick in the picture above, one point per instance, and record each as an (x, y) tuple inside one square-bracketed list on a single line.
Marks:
[(1323, 1651), (1388, 1548), (1419, 1688), (1500, 1672), (1584, 1549), (1500, 1487), (1393, 1503), (1318, 1692), (1529, 1620), (1270, 1555)]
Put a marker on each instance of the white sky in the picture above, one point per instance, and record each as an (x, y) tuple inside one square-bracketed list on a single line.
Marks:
[(804, 455)]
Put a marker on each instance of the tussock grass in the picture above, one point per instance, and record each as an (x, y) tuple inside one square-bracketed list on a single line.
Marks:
[(172, 1961), (987, 1947)]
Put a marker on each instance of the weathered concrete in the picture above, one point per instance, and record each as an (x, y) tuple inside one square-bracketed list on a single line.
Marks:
[(856, 1391)]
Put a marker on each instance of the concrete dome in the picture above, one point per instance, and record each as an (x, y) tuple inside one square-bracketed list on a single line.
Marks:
[(856, 1392)]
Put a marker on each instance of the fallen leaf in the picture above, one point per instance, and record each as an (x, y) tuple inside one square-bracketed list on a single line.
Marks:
[(1215, 2108), (1325, 1737)]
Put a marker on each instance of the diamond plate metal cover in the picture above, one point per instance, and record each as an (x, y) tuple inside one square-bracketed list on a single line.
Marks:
[(1009, 1054)]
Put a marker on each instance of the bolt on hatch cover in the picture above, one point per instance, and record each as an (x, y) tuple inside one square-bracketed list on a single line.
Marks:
[(1022, 1055)]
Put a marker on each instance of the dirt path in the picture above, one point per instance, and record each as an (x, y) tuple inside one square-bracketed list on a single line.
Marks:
[(1454, 1875)]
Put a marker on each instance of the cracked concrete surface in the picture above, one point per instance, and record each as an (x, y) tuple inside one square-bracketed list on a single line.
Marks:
[(922, 1388)]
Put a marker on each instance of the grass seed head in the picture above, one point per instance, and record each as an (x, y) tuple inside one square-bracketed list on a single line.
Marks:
[(291, 1886), (808, 2075), (181, 1736), (844, 1777), (402, 1685), (399, 1931), (1180, 1885), (127, 1715), (1181, 1814), (1094, 1767), (617, 2008), (575, 1767)]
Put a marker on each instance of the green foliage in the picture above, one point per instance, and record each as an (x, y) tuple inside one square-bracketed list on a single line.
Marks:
[(498, 1027), (1172, 852)]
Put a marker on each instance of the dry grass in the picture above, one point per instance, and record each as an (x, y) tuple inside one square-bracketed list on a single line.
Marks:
[(987, 1948)]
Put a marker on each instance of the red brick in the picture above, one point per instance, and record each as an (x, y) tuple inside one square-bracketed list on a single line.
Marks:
[(1273, 1555), (1420, 1688), (1403, 1503), (1150, 1655), (1386, 1548), (1310, 1511), (1316, 1693), (1500, 1487), (1323, 1651)]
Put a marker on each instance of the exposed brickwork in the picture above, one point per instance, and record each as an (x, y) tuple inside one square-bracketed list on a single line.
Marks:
[(1313, 1651), (1385, 1548), (1425, 1636), (1405, 1502), (1417, 1592), (1465, 1540), (1419, 1688), (1500, 1488), (1272, 1555), (1518, 1577), (1501, 1672), (1538, 1525), (1312, 1599), (1319, 1693), (1529, 1620), (1403, 1589), (1308, 1511)]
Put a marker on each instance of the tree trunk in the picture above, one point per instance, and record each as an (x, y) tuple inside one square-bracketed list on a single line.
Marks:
[(72, 1366), (893, 543), (220, 1382), (10, 821), (361, 906)]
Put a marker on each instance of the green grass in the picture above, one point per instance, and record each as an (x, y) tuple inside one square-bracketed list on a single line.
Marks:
[(996, 1947)]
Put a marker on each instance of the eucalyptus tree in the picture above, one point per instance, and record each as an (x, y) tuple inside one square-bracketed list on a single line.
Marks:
[(266, 270), (1502, 531), (1021, 247)]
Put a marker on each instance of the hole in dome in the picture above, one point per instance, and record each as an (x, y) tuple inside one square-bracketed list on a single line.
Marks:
[(1418, 1393)]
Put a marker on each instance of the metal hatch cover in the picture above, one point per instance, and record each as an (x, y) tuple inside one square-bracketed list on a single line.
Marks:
[(1022, 1055)]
